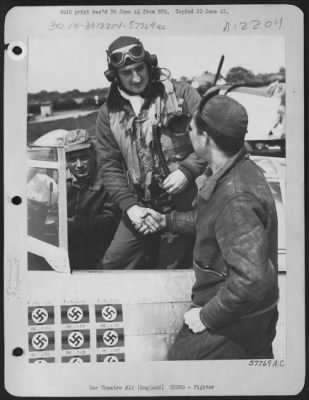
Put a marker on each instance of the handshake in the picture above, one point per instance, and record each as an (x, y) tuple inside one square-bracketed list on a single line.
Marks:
[(146, 220)]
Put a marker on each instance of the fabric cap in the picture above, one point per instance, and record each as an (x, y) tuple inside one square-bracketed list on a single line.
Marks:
[(73, 140), (225, 116), (121, 42)]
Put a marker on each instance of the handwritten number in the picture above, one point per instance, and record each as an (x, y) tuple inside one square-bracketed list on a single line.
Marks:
[(255, 24), (243, 26), (54, 25), (227, 27)]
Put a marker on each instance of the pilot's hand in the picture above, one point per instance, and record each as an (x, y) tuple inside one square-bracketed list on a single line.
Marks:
[(153, 222), (193, 320), (158, 217), (137, 216), (175, 182)]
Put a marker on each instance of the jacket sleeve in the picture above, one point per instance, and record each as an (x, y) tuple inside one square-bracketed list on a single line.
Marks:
[(111, 163), (192, 166), (252, 278), (104, 222), (181, 222)]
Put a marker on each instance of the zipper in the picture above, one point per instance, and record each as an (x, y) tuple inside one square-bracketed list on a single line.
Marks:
[(203, 268), (77, 202)]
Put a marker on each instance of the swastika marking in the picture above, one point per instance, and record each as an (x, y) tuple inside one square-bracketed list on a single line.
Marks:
[(75, 314), (109, 313), (40, 341), (76, 360), (110, 338), (76, 339), (39, 315), (111, 358)]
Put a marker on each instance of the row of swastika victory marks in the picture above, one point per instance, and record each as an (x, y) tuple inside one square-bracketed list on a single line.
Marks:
[(110, 357), (76, 339), (45, 315)]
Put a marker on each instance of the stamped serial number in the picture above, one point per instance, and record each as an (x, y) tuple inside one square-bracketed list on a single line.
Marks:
[(267, 363)]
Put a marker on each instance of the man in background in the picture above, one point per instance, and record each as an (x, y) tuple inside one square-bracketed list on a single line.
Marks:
[(92, 216)]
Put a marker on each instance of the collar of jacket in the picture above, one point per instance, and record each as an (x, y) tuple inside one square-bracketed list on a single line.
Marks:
[(115, 102), (95, 183), (211, 182)]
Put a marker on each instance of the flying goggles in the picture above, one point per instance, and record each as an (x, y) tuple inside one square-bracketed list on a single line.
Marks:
[(134, 52)]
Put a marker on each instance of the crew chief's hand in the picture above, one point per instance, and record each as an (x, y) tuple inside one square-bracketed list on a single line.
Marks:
[(144, 225), (193, 320), (175, 182), (153, 221), (153, 215)]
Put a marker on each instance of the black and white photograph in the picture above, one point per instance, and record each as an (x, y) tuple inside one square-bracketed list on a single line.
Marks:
[(154, 215)]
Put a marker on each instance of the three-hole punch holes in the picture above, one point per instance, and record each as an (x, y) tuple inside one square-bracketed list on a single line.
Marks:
[(17, 50), (17, 352), (16, 200)]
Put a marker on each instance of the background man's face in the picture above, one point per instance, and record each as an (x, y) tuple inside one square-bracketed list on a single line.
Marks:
[(81, 163), (134, 77)]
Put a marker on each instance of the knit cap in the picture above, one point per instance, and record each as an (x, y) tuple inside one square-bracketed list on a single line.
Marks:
[(224, 115)]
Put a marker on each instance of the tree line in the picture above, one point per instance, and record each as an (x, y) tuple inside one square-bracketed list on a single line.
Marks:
[(238, 75), (93, 98), (69, 100)]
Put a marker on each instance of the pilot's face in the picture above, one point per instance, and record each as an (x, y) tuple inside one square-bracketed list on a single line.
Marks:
[(81, 163), (135, 77)]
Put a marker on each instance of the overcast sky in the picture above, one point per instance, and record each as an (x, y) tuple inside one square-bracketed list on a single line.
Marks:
[(79, 62)]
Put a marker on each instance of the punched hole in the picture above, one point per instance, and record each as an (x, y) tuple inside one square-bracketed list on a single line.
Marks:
[(16, 200), (17, 50), (17, 352)]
